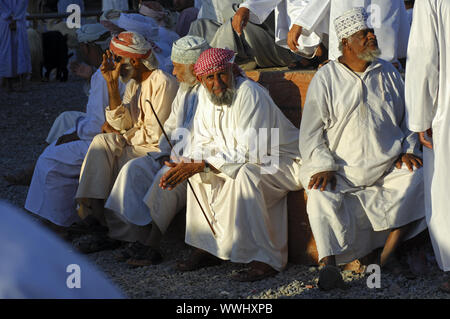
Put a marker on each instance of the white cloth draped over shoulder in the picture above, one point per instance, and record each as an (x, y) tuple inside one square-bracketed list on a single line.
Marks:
[(141, 176), (286, 14), (388, 18), (246, 202), (14, 49), (428, 106), (355, 125), (55, 180)]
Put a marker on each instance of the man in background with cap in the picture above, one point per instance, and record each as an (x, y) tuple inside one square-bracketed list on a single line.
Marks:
[(131, 128), (142, 210), (361, 165), (55, 179), (246, 160), (388, 19)]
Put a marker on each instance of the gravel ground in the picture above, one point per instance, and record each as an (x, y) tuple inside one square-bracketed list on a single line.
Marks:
[(26, 118)]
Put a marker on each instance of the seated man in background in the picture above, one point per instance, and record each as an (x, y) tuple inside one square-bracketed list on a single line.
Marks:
[(55, 180), (307, 45), (131, 127), (136, 197), (93, 39), (246, 160), (255, 47), (360, 162)]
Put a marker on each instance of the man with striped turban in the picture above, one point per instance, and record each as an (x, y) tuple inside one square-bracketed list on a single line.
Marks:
[(245, 154), (131, 129), (136, 197), (55, 179)]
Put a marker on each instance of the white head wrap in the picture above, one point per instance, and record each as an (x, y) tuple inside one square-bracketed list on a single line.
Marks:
[(94, 32), (140, 24), (186, 50), (350, 22)]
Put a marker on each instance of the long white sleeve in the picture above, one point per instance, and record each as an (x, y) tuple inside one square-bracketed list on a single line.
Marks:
[(92, 123), (260, 9), (313, 145), (422, 68)]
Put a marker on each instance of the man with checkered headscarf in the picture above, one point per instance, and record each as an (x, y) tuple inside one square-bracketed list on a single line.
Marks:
[(131, 129), (246, 161), (361, 165)]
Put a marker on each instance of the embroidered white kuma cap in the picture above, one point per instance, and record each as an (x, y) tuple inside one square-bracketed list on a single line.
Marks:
[(350, 22)]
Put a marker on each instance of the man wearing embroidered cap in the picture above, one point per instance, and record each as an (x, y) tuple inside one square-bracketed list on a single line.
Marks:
[(388, 19), (136, 196), (131, 129), (361, 165), (55, 180), (246, 161)]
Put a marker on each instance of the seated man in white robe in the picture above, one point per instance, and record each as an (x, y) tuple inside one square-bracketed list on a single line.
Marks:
[(136, 197), (254, 47), (246, 160), (93, 39), (55, 179), (360, 162), (132, 128)]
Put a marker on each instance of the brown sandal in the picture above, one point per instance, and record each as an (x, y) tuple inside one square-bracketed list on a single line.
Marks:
[(256, 271)]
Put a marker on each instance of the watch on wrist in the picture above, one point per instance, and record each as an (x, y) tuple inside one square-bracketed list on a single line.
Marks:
[(206, 169)]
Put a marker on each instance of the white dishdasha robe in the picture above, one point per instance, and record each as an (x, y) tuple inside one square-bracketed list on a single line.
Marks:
[(136, 197), (14, 48), (355, 125), (427, 103), (55, 179), (246, 201)]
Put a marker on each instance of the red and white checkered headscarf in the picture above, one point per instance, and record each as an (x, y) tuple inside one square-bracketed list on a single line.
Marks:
[(131, 45), (213, 60)]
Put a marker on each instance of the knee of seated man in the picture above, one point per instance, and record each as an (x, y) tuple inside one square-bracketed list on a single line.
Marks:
[(248, 171)]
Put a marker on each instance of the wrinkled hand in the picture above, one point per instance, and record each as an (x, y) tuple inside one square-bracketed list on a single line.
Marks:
[(240, 19), (292, 37), (107, 128), (67, 138), (178, 173), (81, 69), (410, 160), (423, 139), (322, 179), (109, 69)]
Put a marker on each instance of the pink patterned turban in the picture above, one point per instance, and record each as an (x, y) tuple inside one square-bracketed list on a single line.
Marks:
[(213, 60)]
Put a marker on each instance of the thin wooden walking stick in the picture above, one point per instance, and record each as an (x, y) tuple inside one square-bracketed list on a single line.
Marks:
[(171, 147)]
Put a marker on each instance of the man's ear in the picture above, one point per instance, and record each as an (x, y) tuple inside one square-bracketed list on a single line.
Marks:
[(199, 78)]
